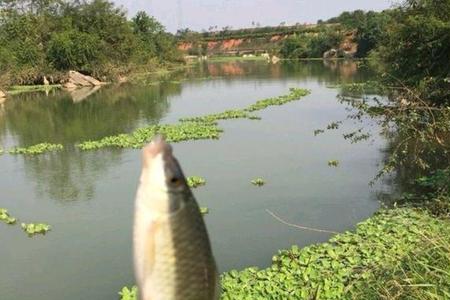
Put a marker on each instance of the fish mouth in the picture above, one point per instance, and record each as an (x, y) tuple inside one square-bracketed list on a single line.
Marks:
[(158, 157), (157, 146)]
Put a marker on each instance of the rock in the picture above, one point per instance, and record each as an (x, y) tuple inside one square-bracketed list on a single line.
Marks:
[(77, 79), (330, 54), (70, 85), (83, 93), (275, 59)]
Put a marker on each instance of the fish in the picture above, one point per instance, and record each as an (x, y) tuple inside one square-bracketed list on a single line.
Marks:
[(173, 257)]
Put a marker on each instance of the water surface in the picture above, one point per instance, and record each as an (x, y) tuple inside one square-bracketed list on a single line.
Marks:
[(88, 197)]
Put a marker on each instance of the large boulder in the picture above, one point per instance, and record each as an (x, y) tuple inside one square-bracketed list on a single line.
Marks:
[(77, 79)]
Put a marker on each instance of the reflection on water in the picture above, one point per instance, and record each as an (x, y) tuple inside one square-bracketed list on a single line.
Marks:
[(35, 118), (88, 196)]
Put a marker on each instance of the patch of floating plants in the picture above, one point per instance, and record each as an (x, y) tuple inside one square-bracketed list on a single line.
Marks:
[(35, 228), (258, 182), (36, 149), (204, 210), (194, 128), (195, 181), (333, 163), (6, 218)]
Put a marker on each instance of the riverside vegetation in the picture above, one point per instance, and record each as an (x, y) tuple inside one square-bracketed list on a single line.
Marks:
[(47, 38)]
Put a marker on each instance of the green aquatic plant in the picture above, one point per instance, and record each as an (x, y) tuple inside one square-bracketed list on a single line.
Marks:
[(6, 218), (35, 228), (204, 210), (334, 125), (195, 181), (318, 131), (172, 133), (36, 149), (343, 267), (405, 246), (258, 182), (333, 163), (128, 294), (192, 128), (226, 115)]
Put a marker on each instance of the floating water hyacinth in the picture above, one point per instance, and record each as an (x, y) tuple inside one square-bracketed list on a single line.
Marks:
[(193, 128), (204, 210), (36, 149), (195, 181), (38, 228), (333, 163), (258, 182), (5, 217)]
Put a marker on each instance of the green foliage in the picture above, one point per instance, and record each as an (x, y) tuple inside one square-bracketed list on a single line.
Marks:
[(415, 49), (258, 182), (6, 218), (195, 181), (35, 228), (92, 36), (36, 149), (370, 27), (74, 50), (342, 268), (310, 46)]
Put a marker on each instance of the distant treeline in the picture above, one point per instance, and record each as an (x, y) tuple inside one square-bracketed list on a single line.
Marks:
[(44, 37), (256, 32)]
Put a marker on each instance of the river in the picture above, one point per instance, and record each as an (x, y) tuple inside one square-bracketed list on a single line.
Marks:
[(88, 197)]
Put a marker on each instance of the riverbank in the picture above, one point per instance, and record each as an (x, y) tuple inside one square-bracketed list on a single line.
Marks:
[(397, 253)]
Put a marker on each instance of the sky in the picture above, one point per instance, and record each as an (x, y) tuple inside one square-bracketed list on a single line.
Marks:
[(201, 14)]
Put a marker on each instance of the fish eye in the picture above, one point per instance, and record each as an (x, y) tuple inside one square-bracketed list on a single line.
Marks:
[(176, 181)]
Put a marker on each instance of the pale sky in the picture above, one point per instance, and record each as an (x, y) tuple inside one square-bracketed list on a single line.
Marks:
[(200, 14)]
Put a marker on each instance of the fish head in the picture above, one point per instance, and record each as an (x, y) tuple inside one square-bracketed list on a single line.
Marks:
[(163, 185)]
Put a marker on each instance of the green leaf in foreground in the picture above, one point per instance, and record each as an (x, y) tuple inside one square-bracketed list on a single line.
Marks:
[(195, 181), (258, 182), (5, 217), (35, 228), (36, 149)]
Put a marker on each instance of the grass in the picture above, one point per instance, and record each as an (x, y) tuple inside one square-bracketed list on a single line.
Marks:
[(234, 58), (396, 254), (19, 89)]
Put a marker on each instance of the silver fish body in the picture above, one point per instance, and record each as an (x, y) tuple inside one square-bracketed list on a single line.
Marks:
[(172, 251)]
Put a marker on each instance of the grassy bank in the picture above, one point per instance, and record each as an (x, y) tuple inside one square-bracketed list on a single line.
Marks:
[(396, 254)]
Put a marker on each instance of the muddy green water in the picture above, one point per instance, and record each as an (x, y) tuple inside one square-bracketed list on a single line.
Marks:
[(88, 196)]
